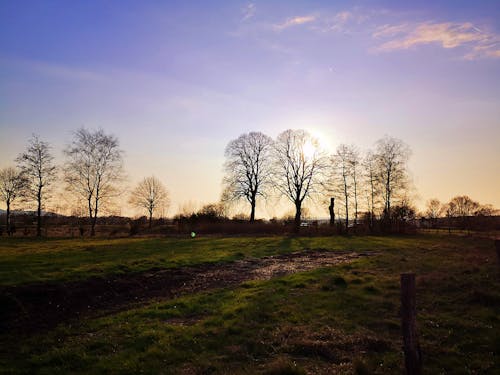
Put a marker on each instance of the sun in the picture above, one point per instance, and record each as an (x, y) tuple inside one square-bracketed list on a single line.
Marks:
[(309, 149), (324, 142)]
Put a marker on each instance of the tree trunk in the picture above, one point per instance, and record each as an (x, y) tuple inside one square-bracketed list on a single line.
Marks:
[(39, 213), (372, 208), (346, 214), (94, 219), (90, 211), (298, 214), (92, 227), (150, 218), (8, 218), (252, 212), (346, 197), (331, 209), (355, 208), (355, 202), (90, 207), (388, 204)]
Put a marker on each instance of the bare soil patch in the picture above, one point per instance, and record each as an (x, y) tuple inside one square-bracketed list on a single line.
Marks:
[(36, 307)]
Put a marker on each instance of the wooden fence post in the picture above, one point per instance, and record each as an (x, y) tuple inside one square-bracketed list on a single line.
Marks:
[(497, 245), (413, 358)]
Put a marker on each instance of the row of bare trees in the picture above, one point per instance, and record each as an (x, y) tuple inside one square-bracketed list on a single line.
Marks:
[(461, 207), (374, 183), (296, 167), (92, 173), (31, 179)]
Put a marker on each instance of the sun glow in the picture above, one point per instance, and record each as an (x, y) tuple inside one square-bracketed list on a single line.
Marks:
[(324, 142), (309, 149)]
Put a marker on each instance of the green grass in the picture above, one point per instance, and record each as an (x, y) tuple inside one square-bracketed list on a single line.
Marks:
[(26, 261), (342, 318)]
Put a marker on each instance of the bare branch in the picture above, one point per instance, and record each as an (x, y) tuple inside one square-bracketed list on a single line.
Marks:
[(150, 194), (37, 167), (299, 164), (94, 166), (247, 169), (13, 184)]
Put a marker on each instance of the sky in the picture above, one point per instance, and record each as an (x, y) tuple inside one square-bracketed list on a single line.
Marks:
[(175, 81)]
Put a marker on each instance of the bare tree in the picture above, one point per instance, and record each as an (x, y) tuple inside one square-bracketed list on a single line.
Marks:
[(37, 166), (247, 168), (150, 194), (464, 207), (345, 179), (434, 210), (391, 158), (212, 211), (451, 211), (299, 166), (486, 210), (354, 161), (93, 168), (341, 178), (12, 186), (370, 184)]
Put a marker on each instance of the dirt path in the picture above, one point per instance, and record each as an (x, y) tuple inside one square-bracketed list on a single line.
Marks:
[(31, 308)]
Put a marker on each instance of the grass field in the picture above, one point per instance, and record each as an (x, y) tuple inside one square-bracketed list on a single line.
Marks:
[(338, 319)]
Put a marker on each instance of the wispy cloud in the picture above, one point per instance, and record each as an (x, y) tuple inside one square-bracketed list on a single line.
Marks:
[(355, 20), (248, 11), (447, 34), (390, 30), (54, 70), (339, 21), (294, 21), (344, 21)]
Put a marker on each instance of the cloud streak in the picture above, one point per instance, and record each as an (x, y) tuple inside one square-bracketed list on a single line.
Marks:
[(294, 21), (480, 44), (248, 11)]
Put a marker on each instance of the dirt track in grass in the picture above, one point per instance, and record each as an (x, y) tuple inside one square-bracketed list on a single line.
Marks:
[(36, 307)]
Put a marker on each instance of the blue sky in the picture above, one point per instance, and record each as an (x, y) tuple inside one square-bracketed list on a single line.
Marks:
[(176, 81)]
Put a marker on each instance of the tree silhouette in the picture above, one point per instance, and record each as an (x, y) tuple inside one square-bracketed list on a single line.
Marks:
[(464, 207), (247, 168), (391, 158), (93, 167), (299, 164), (370, 183), (37, 166), (12, 185), (344, 179), (434, 210), (150, 194)]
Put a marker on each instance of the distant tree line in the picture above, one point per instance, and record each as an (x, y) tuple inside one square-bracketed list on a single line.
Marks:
[(461, 212), (372, 187)]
